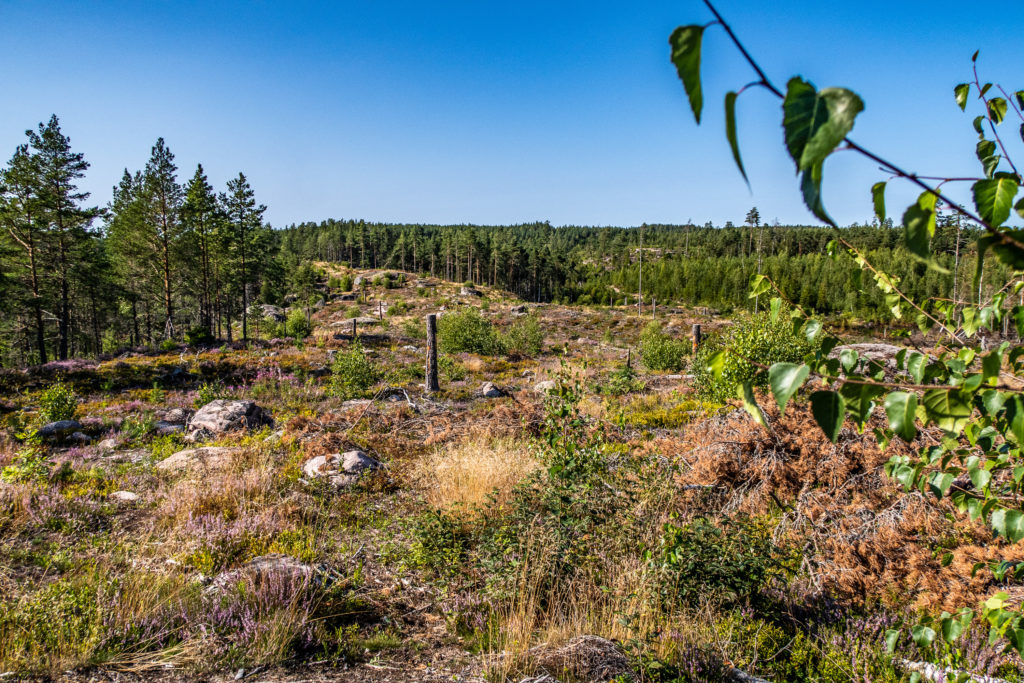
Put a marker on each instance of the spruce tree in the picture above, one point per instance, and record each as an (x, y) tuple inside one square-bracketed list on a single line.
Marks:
[(245, 219)]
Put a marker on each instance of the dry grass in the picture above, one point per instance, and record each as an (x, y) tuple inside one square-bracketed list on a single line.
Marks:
[(466, 475)]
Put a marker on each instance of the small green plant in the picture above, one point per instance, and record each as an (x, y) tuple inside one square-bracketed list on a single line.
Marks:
[(452, 370), (661, 351), (352, 373), (156, 394), (345, 284), (30, 464), (168, 345), (298, 326), (620, 382), (398, 308), (524, 338), (209, 391), (353, 312), (467, 331), (58, 402)]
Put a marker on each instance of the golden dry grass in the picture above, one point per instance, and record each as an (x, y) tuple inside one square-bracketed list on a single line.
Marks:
[(465, 475)]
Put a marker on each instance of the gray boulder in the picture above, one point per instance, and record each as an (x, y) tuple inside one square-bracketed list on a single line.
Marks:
[(469, 291), (274, 567), (59, 430), (226, 415), (340, 469)]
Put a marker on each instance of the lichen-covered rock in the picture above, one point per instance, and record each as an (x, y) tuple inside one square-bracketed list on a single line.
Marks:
[(124, 497), (195, 458), (275, 569), (224, 415), (177, 416), (545, 387), (340, 469)]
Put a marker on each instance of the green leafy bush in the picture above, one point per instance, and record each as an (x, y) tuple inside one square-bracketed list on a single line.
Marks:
[(298, 325), (757, 339), (168, 345), (524, 338), (620, 382), (353, 311), (58, 402), (346, 283), (661, 351), (352, 373), (732, 560), (467, 331), (451, 369)]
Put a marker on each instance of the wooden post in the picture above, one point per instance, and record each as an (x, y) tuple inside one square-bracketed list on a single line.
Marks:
[(354, 333), (629, 357), (380, 309), (654, 307), (431, 383), (696, 337)]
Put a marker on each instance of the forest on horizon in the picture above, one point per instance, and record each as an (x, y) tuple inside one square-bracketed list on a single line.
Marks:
[(171, 258)]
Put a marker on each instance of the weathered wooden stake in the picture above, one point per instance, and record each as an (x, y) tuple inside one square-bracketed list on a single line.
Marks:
[(654, 307), (696, 337), (431, 383), (354, 333), (629, 357), (380, 309)]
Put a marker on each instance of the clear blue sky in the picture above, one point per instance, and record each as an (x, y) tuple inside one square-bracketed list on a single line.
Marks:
[(490, 112)]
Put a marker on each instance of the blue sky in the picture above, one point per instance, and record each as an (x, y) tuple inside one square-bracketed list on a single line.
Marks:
[(487, 112)]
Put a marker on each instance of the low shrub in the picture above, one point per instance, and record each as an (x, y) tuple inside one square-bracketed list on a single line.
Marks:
[(524, 338), (353, 312), (352, 373), (298, 326), (58, 402), (732, 560), (209, 391), (661, 351), (398, 308), (756, 339), (467, 331)]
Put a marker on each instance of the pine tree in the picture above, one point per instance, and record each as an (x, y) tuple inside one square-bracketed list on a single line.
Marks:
[(164, 221), (200, 213), (19, 215), (245, 218), (65, 220)]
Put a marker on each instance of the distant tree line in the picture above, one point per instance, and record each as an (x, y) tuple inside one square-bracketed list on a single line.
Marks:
[(682, 264)]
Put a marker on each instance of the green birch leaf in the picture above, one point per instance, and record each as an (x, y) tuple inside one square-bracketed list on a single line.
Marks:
[(730, 132), (993, 198), (750, 404), (828, 409), (785, 379), (878, 197), (686, 47), (919, 228), (947, 409), (997, 109), (901, 409), (961, 92), (810, 187), (816, 122)]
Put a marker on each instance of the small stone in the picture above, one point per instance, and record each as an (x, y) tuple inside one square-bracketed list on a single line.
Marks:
[(225, 415), (489, 390), (80, 438), (107, 444), (544, 387), (124, 496)]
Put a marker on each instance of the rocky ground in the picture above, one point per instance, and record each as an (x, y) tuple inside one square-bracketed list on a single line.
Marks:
[(234, 513)]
